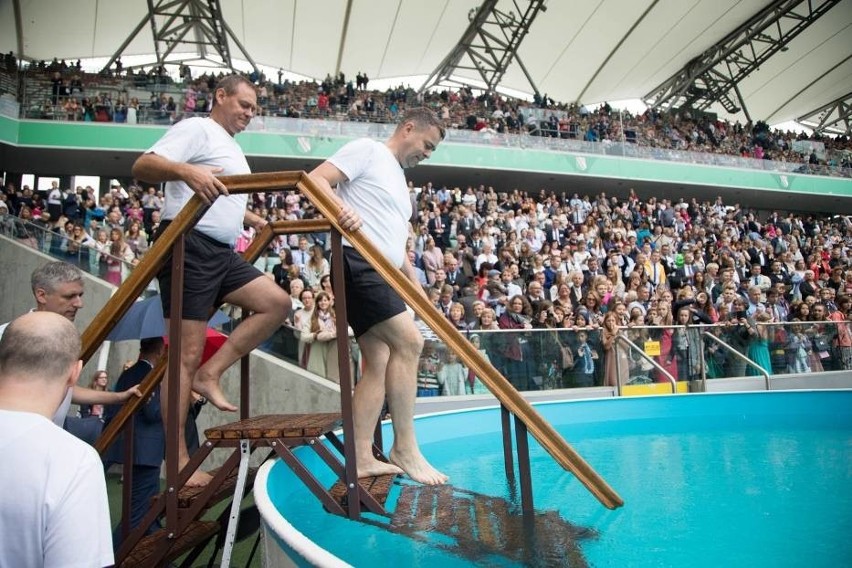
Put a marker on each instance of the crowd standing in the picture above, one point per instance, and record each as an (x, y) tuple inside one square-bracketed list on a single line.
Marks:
[(535, 259), (108, 97)]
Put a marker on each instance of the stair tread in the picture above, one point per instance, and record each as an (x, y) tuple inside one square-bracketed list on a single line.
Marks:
[(188, 494), (277, 426), (196, 532), (378, 486)]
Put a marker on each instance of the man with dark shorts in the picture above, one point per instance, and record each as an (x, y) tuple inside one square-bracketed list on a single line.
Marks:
[(188, 159), (373, 195)]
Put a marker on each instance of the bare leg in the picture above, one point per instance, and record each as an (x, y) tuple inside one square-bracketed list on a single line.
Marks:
[(193, 336), (270, 306), (367, 404), (403, 343)]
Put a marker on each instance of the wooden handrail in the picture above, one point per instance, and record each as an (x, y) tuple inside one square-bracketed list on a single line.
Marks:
[(147, 386), (541, 430), (158, 254)]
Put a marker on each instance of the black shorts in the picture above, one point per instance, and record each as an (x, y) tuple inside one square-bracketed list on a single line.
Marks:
[(369, 299), (212, 270)]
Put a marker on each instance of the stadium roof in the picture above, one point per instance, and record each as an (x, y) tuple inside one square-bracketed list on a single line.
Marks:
[(588, 51)]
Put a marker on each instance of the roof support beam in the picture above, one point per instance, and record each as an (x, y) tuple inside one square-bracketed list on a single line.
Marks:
[(19, 28), (834, 117), (712, 76), (490, 43), (176, 24)]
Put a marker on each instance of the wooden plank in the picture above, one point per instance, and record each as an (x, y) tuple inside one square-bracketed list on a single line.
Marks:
[(149, 551)]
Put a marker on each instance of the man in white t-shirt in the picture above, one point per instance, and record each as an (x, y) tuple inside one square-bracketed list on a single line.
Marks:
[(54, 510), (188, 158), (373, 195)]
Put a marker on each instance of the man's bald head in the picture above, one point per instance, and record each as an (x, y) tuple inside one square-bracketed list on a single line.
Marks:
[(39, 345)]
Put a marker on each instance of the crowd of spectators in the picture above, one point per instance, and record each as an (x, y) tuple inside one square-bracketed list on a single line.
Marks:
[(518, 260), (341, 98), (106, 238), (563, 275), (565, 272)]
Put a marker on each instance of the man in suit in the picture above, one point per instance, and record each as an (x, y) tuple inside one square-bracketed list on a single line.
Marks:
[(467, 223), (455, 275), (149, 439), (554, 233), (756, 278)]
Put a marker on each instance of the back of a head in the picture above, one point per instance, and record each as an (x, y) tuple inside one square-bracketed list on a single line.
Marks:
[(50, 275), (39, 345), (151, 347)]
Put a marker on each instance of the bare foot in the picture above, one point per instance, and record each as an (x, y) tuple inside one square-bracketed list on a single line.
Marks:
[(199, 479), (208, 387), (417, 468), (372, 467)]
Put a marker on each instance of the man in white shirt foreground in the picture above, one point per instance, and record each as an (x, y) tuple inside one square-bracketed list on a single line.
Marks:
[(54, 511)]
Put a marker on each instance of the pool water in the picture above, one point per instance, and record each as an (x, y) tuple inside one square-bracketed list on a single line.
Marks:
[(746, 479)]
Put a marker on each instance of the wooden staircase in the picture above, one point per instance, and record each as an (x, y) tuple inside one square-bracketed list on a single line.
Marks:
[(281, 434)]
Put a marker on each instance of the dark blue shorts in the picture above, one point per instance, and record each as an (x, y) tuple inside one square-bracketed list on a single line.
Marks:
[(369, 299), (212, 270)]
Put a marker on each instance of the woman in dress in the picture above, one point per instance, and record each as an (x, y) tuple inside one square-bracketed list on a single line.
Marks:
[(320, 332), (616, 361), (433, 260), (660, 316), (132, 110), (136, 239), (316, 267), (758, 346), (119, 258)]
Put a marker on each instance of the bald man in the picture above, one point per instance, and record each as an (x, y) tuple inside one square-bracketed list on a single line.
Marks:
[(58, 288), (54, 510)]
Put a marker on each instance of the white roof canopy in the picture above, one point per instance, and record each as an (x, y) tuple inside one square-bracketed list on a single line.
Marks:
[(588, 51)]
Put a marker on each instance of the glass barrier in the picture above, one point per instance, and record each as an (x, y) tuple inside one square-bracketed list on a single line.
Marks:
[(546, 359), (564, 358), (88, 258)]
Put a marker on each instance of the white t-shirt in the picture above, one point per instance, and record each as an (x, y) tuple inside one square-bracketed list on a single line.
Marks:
[(376, 189), (54, 510), (202, 141)]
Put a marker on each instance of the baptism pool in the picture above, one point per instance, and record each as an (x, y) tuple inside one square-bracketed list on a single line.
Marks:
[(734, 479)]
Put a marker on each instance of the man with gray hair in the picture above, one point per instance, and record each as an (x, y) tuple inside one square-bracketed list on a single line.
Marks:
[(58, 288), (55, 510)]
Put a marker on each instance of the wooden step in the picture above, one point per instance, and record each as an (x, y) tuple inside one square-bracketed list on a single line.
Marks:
[(271, 426), (144, 554), (378, 486), (187, 495)]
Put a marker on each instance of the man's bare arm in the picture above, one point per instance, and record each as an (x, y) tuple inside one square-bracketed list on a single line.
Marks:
[(201, 179), (326, 176), (83, 395)]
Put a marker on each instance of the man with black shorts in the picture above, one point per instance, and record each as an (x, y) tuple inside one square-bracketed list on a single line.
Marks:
[(188, 159), (373, 195)]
